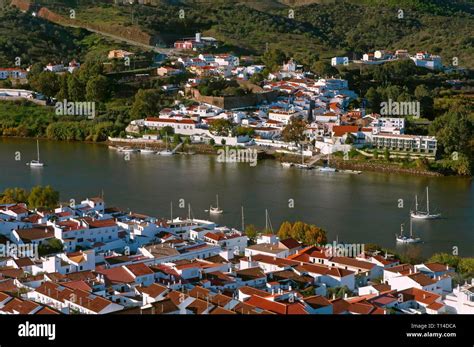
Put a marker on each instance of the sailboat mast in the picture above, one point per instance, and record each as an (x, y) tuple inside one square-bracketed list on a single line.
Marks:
[(266, 220), (171, 208), (243, 220), (189, 211), (38, 149), (411, 228), (416, 203), (217, 201), (427, 201)]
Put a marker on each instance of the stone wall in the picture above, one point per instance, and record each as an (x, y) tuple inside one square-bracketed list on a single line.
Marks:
[(232, 102)]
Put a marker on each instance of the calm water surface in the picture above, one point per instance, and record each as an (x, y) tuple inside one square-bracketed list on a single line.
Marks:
[(355, 208)]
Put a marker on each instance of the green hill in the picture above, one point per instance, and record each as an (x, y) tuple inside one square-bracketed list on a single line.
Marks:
[(319, 29)]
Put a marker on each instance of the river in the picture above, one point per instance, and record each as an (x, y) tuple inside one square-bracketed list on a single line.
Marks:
[(354, 208)]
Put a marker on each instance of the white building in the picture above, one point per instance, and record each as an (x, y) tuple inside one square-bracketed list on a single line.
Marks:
[(408, 143), (426, 60), (339, 61), (461, 300)]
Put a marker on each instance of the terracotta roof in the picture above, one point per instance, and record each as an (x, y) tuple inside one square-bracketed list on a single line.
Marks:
[(419, 295), (290, 243), (317, 301), (116, 275), (153, 290), (139, 269), (20, 306), (37, 233), (437, 267), (421, 279), (276, 307)]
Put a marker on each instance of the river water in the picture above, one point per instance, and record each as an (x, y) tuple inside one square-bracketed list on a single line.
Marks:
[(353, 208)]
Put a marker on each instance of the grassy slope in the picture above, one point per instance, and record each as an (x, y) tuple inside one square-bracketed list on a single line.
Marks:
[(443, 27)]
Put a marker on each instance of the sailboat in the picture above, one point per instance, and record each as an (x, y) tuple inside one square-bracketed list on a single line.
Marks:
[(36, 163), (303, 165), (216, 210), (327, 168), (424, 214), (147, 150), (166, 152), (407, 239)]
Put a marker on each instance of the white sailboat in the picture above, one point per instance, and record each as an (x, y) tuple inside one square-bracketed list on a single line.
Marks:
[(407, 239), (286, 164), (216, 210), (166, 152), (424, 214), (303, 165), (147, 150), (37, 162), (327, 168)]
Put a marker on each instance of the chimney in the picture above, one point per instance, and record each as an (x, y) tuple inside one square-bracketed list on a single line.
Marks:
[(345, 295), (447, 267), (410, 270), (198, 37)]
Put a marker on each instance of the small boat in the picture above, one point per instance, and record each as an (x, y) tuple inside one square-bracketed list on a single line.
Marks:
[(304, 166), (128, 150), (147, 151), (286, 164), (37, 162), (166, 152), (407, 239), (216, 210), (326, 169), (424, 214)]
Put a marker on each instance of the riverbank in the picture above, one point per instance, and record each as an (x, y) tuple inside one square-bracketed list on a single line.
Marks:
[(357, 165), (338, 163)]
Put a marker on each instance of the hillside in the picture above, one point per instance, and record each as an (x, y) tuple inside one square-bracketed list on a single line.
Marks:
[(319, 29)]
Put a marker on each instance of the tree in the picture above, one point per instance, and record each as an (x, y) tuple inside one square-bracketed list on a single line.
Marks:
[(50, 247), (176, 138), (445, 258), (374, 99), (97, 89), (13, 196), (251, 231), (294, 131), (46, 83), (324, 69), (386, 154), (147, 103), (454, 131), (75, 88), (423, 95), (273, 59), (166, 131), (221, 127), (45, 197), (315, 236), (466, 266), (285, 231), (298, 231)]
